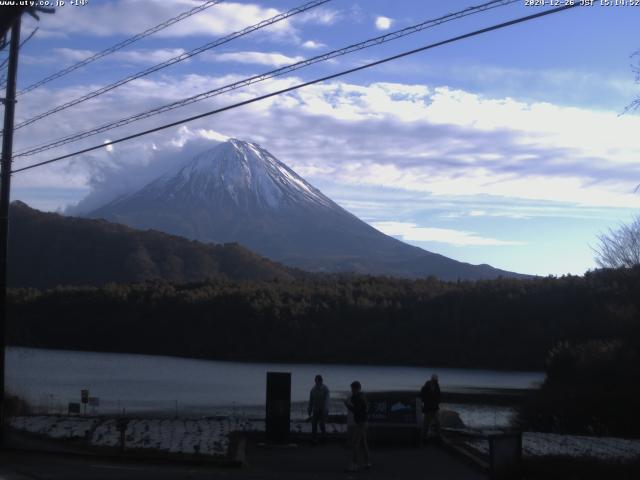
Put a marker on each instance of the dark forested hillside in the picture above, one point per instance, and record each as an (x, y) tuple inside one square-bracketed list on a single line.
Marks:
[(46, 249), (503, 323)]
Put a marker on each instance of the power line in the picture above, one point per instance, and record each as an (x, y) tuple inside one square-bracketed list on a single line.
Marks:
[(177, 59), (121, 45), (27, 38), (265, 76), (302, 85), (3, 81)]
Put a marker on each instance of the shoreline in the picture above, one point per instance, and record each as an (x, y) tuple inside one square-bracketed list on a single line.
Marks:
[(297, 363)]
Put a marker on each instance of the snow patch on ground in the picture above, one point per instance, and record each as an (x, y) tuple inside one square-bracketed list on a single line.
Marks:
[(206, 436), (551, 444), (203, 436), (55, 426), (482, 416)]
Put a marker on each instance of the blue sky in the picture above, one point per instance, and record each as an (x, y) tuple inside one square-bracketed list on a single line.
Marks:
[(507, 149)]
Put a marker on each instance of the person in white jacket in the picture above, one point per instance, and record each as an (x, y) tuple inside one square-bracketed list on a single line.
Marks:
[(318, 408)]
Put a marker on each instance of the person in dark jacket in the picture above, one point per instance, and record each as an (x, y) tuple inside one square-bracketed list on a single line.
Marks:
[(430, 395), (318, 408), (358, 406)]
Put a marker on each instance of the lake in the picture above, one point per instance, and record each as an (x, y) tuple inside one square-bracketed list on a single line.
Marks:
[(146, 384)]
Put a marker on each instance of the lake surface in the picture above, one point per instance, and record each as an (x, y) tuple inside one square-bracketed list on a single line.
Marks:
[(50, 379)]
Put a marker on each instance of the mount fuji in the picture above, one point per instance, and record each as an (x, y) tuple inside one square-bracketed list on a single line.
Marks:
[(239, 192)]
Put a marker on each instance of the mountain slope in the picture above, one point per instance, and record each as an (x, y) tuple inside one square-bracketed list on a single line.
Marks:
[(239, 192), (46, 249)]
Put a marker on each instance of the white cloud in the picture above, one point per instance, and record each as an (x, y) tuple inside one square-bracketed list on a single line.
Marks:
[(148, 56), (480, 181), (441, 143), (212, 135), (111, 175), (120, 17), (313, 45), (65, 56), (383, 23), (69, 56), (411, 232), (548, 83), (272, 59), (126, 17), (320, 16), (496, 147)]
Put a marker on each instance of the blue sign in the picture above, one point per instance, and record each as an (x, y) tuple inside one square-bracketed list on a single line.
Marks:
[(393, 408)]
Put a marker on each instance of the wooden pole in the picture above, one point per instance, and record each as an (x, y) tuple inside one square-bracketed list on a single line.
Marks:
[(5, 198)]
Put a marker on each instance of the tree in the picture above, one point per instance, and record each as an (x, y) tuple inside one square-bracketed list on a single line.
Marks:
[(621, 247), (636, 69)]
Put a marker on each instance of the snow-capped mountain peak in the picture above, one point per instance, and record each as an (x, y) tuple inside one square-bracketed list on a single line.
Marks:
[(239, 192), (244, 172)]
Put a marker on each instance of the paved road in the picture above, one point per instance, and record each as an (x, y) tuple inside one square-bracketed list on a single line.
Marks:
[(302, 463), (329, 462)]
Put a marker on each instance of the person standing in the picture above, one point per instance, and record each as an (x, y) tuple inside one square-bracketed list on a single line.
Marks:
[(430, 395), (318, 408), (357, 405)]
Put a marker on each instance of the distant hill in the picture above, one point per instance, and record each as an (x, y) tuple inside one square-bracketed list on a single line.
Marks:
[(239, 192), (47, 249)]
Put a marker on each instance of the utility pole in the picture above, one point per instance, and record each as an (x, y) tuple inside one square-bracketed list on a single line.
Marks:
[(5, 197)]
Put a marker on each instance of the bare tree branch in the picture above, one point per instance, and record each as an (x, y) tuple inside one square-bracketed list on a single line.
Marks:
[(619, 248), (635, 68)]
